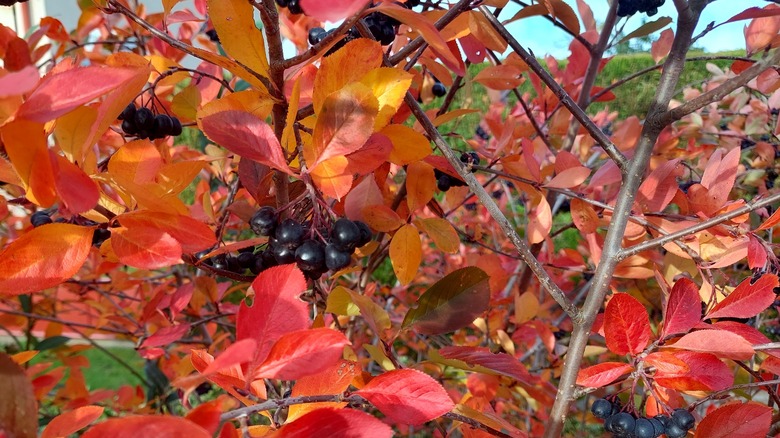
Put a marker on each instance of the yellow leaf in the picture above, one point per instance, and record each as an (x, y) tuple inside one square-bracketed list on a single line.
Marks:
[(70, 132), (256, 102), (408, 145), (379, 357), (389, 86), (442, 233), (162, 64), (374, 314), (288, 136), (483, 31), (349, 64), (242, 40), (454, 114), (175, 177), (420, 184), (526, 307), (168, 5), (331, 178), (185, 103), (340, 302), (135, 162), (406, 253), (382, 218)]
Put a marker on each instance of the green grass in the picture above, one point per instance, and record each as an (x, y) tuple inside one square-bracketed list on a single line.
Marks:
[(104, 372)]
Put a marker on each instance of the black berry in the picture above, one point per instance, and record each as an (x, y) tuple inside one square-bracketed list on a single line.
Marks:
[(128, 127), (246, 260), (212, 34), (294, 6), (128, 113), (365, 233), (643, 428), (176, 127), (283, 255), (672, 430), (316, 34), (40, 218), (144, 119), (99, 236), (683, 418), (163, 125), (623, 423), (443, 183), (658, 426), (335, 259), (311, 256), (438, 89), (345, 235), (602, 408), (289, 234), (263, 222)]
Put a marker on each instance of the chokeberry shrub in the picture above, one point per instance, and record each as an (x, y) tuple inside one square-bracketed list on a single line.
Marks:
[(389, 218)]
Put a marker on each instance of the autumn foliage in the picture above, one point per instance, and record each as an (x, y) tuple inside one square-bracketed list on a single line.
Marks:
[(516, 272)]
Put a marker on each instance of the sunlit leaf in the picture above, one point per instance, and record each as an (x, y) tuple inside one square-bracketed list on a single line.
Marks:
[(302, 353), (43, 257), (336, 422), (407, 396), (602, 374), (242, 40), (72, 421), (333, 380), (147, 425), (748, 299), (406, 253), (736, 420), (626, 325)]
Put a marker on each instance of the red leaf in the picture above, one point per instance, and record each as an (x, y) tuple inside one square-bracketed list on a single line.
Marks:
[(71, 422), (501, 363), (659, 188), (193, 235), (666, 362), (302, 353), (44, 257), (166, 335), (147, 425), (245, 134), (626, 325), (145, 247), (277, 308), (602, 374), (61, 92), (757, 255), (663, 45), (241, 352), (18, 409), (754, 12), (771, 221), (76, 189), (705, 373), (747, 300), (750, 334), (683, 309), (736, 420), (407, 396), (19, 82), (333, 380), (333, 10), (718, 342), (334, 422)]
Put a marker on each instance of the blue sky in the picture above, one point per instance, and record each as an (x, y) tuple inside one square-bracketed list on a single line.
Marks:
[(555, 42)]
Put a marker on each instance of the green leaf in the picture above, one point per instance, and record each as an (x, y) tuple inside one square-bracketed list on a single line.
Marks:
[(647, 28), (453, 302), (52, 342)]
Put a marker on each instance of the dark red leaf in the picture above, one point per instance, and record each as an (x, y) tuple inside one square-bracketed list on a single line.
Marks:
[(626, 325), (757, 255), (334, 422), (747, 300), (602, 374), (18, 408), (407, 396), (501, 363), (683, 309), (736, 420), (166, 335)]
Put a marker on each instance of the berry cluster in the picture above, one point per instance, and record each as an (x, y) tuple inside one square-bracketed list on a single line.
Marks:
[(11, 2), (445, 181), (438, 89), (294, 6), (624, 424), (143, 123), (293, 242), (481, 133), (382, 27), (630, 7), (100, 235)]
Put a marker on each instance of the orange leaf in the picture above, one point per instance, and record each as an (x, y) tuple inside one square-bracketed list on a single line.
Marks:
[(192, 235), (145, 247), (134, 426), (333, 380), (761, 31), (242, 40), (442, 233), (25, 143), (408, 145), (584, 216), (420, 184), (76, 189), (361, 55), (332, 177), (389, 85), (382, 218), (406, 253), (659, 188), (539, 218), (44, 257), (344, 124), (602, 374), (71, 422), (427, 30), (500, 77), (569, 178)]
